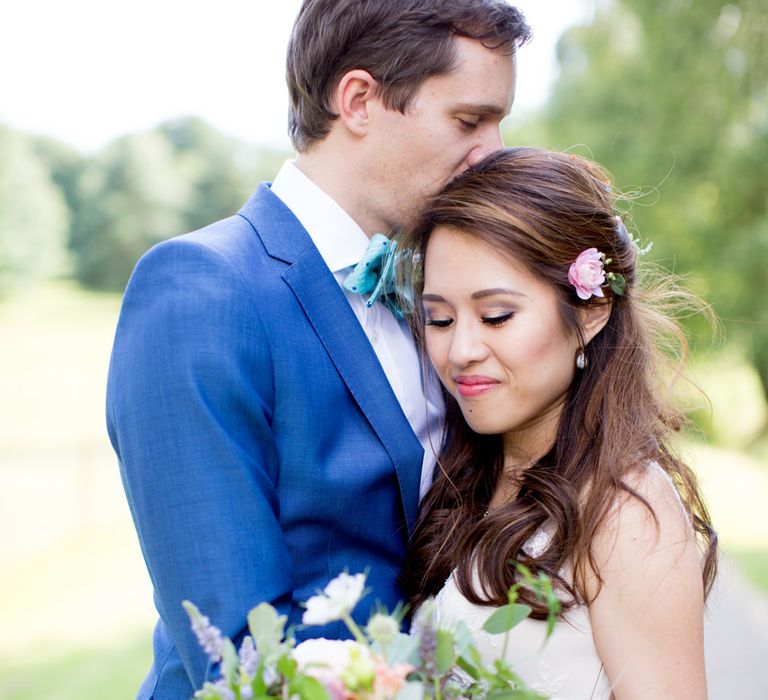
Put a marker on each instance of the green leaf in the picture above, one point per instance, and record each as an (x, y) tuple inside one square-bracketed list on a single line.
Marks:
[(266, 628), (464, 638), (554, 611), (287, 666), (547, 591), (308, 688), (192, 610), (506, 617), (524, 572), (515, 694), (444, 651), (477, 660), (403, 649), (618, 284), (258, 685), (229, 663), (412, 690), (469, 668)]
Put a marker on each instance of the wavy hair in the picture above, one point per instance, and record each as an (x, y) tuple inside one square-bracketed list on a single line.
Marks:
[(543, 209)]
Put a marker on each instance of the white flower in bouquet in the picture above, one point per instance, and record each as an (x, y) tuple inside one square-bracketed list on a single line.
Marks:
[(340, 665), (332, 654), (336, 601)]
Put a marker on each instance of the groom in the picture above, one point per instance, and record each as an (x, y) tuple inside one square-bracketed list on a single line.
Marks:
[(270, 426)]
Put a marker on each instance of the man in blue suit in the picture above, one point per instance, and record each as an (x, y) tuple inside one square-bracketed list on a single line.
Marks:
[(270, 426)]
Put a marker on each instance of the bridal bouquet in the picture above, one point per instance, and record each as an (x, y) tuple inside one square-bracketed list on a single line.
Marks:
[(380, 663)]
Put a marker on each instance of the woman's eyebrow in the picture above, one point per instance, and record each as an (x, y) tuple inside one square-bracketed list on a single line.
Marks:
[(482, 294), (496, 290)]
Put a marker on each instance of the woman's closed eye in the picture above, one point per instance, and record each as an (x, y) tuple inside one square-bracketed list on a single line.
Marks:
[(439, 322), (498, 320)]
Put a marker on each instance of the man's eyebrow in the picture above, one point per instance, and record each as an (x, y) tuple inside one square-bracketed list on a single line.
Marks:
[(495, 110)]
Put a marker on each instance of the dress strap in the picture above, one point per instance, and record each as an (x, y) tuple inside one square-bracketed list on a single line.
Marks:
[(659, 469)]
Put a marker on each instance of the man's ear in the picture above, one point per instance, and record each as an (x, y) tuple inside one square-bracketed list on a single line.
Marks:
[(353, 93), (594, 316)]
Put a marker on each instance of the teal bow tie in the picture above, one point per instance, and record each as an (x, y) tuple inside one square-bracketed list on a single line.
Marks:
[(375, 275)]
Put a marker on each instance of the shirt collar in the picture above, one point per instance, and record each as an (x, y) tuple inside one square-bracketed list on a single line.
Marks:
[(340, 241)]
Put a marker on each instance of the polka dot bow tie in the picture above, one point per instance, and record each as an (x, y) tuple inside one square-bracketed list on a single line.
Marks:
[(375, 275)]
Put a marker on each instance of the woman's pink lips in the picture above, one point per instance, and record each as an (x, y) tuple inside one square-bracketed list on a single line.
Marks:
[(474, 385)]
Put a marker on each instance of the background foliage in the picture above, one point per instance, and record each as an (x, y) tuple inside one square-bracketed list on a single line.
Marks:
[(139, 190), (33, 216)]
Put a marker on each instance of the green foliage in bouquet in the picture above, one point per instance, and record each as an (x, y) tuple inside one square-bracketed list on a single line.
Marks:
[(380, 663)]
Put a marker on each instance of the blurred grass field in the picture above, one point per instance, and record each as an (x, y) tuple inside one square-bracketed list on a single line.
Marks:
[(74, 597)]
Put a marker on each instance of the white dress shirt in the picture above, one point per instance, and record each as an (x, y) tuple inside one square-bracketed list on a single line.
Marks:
[(342, 243)]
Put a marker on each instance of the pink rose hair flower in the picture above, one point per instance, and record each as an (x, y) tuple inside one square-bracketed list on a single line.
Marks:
[(587, 274)]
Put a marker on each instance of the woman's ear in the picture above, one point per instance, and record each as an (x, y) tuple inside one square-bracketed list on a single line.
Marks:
[(353, 93), (593, 317)]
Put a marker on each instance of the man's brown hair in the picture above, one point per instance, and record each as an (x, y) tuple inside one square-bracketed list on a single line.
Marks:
[(400, 43)]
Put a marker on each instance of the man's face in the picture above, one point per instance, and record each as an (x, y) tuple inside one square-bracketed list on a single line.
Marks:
[(452, 123)]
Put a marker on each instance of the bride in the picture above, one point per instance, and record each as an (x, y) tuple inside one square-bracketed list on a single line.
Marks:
[(557, 446)]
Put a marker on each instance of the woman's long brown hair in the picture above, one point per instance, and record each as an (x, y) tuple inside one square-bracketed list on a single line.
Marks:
[(543, 209)]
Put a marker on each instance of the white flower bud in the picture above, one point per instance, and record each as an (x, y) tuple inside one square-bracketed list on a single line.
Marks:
[(382, 628), (337, 600)]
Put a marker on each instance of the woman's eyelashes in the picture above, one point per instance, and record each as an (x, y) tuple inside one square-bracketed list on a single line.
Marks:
[(498, 319), (490, 320)]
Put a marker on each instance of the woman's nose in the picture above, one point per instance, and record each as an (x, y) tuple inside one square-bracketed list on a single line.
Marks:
[(466, 346)]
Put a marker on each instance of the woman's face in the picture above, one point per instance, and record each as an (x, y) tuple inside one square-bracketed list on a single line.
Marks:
[(496, 337)]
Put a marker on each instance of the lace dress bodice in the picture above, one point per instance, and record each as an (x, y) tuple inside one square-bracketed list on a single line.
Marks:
[(567, 667)]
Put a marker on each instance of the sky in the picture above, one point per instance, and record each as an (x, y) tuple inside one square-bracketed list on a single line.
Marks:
[(87, 71)]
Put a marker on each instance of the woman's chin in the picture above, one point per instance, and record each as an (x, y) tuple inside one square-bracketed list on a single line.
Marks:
[(484, 427)]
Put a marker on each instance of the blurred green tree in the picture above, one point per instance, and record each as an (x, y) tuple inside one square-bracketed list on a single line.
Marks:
[(132, 196), (33, 215), (64, 165), (672, 96), (145, 188), (223, 172)]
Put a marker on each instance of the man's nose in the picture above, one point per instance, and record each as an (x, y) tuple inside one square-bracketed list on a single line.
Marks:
[(491, 142)]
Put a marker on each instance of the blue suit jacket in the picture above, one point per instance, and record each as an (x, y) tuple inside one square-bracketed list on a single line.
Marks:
[(260, 444)]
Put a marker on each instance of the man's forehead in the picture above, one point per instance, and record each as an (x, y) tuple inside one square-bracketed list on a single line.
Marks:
[(485, 80), (482, 82)]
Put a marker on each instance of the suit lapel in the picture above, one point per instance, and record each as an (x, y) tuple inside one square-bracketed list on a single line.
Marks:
[(344, 340)]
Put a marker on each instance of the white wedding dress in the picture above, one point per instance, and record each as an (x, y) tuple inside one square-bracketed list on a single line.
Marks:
[(566, 667)]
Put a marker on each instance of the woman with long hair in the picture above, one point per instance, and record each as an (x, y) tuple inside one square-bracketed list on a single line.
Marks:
[(555, 360)]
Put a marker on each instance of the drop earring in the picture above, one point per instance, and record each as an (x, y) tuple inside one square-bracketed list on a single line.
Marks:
[(581, 359)]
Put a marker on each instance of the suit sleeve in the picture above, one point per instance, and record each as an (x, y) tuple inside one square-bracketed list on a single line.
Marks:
[(188, 408)]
